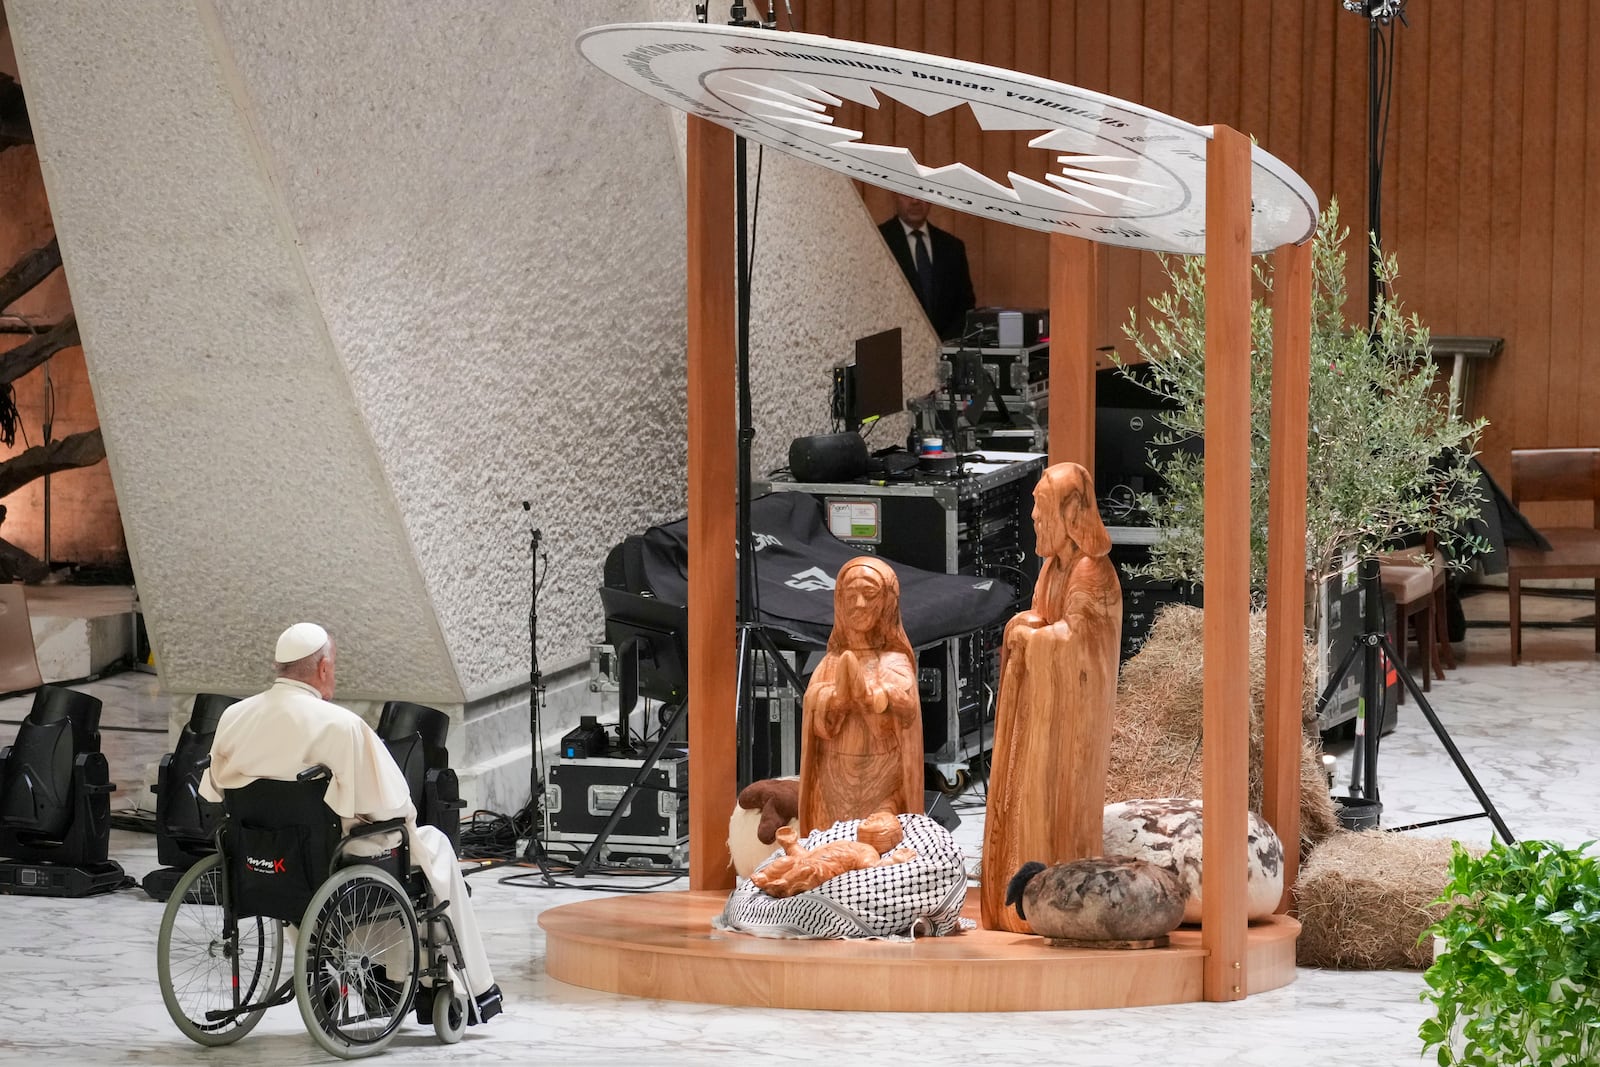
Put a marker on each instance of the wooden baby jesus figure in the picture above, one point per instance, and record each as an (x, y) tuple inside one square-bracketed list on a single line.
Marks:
[(1058, 689), (862, 748), (799, 870)]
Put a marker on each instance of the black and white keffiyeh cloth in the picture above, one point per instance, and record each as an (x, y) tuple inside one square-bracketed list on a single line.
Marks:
[(919, 898)]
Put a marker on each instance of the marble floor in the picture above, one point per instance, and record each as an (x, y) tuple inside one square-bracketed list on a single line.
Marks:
[(77, 978)]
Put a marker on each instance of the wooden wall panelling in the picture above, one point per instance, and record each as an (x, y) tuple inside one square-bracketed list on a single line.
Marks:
[(971, 37), (1442, 209), (1473, 249), (1532, 400), (1315, 164), (1346, 176), (1156, 93), (1031, 55), (1496, 397), (1405, 213), (1123, 270), (1004, 283), (1588, 385), (1189, 97), (1567, 209), (1224, 50), (1255, 69)]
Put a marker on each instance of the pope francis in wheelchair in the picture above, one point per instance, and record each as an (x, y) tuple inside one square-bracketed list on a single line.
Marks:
[(320, 833)]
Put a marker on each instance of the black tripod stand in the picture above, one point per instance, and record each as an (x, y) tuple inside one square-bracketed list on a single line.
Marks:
[(1374, 648)]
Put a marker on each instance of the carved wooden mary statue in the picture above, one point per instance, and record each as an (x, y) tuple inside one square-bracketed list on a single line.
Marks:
[(863, 721), (1058, 689)]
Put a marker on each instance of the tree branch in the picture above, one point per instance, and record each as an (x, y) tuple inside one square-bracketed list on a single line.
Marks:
[(77, 450), (28, 355)]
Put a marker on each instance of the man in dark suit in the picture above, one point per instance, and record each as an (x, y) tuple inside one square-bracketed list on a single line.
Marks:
[(934, 262)]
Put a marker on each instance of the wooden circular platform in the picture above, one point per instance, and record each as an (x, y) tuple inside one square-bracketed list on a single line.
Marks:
[(661, 945)]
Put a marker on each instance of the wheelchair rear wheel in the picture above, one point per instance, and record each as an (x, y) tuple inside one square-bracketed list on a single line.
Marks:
[(355, 973), (195, 959)]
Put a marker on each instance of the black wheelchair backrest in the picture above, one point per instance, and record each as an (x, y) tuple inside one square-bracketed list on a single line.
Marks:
[(279, 840), (36, 783)]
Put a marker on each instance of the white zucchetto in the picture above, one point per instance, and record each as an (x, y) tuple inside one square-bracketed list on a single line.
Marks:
[(300, 641)]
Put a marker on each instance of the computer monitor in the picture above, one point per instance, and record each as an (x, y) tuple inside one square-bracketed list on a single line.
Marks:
[(879, 389), (1127, 426)]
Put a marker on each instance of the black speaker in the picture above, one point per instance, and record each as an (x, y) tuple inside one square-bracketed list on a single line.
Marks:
[(829, 457)]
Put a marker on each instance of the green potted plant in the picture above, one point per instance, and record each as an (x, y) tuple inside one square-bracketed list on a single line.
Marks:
[(1386, 456), (1516, 972)]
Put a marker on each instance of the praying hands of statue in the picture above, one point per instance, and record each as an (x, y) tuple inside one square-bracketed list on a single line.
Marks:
[(853, 690), (800, 870)]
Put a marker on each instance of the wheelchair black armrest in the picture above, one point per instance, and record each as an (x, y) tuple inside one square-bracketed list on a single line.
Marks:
[(370, 828), (314, 773)]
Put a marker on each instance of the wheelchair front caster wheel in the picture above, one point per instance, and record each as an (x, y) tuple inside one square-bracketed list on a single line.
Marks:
[(449, 1014)]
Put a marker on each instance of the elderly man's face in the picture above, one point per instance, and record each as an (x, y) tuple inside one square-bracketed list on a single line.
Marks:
[(912, 212)]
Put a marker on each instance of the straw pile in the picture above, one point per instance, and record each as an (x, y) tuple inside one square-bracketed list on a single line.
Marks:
[(1156, 745), (1365, 898)]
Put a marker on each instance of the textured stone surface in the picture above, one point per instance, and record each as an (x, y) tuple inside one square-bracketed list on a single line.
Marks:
[(356, 280), (1101, 900), (1167, 832), (250, 491)]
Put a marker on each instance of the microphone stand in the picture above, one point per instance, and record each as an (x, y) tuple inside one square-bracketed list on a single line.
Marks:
[(535, 689), (754, 638)]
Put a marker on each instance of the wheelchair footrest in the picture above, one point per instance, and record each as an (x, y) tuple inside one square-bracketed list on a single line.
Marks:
[(22, 878), (282, 995)]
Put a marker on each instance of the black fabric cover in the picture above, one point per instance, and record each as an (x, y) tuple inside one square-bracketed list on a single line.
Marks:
[(280, 839), (797, 560)]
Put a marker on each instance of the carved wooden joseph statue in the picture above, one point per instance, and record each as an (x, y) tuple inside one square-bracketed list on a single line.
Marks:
[(862, 751), (1058, 688)]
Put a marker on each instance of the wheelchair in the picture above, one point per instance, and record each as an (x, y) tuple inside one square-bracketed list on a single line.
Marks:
[(372, 946)]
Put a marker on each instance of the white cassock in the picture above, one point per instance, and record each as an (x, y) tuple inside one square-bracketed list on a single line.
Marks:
[(279, 733)]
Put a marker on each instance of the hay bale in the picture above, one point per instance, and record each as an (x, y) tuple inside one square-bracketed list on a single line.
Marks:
[(1156, 743), (1365, 898)]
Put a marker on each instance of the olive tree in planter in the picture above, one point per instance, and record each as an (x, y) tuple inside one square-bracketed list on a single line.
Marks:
[(1386, 457), (1516, 972)]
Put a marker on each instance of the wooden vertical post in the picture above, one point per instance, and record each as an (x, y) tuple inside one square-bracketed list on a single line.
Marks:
[(713, 751), (1074, 295), (1227, 563), (1286, 558)]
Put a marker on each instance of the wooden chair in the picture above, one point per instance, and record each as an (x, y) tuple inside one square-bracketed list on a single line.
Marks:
[(1401, 577), (1417, 597), (1567, 474)]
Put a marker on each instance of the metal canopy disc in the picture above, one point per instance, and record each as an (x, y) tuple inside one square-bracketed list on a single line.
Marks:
[(1119, 173)]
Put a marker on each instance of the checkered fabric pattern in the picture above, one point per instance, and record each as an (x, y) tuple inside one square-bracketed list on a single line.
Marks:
[(919, 898)]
